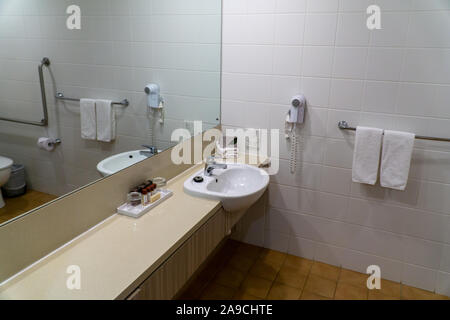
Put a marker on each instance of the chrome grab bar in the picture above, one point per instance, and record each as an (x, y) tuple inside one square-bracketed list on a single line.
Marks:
[(44, 122), (343, 125)]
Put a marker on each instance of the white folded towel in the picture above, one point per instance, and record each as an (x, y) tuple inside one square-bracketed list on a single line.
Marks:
[(396, 159), (106, 121), (366, 156), (88, 119)]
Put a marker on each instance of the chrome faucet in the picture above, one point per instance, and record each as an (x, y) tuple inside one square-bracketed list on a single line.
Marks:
[(211, 165), (150, 152)]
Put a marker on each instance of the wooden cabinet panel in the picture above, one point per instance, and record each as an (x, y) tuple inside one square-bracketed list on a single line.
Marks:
[(168, 279)]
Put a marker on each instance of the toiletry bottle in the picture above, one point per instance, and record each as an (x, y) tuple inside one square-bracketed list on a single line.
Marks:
[(144, 197), (156, 195)]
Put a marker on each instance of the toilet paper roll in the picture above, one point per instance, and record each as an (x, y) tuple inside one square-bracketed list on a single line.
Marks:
[(46, 144)]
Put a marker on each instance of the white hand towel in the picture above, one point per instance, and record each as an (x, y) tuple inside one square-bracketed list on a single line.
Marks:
[(366, 157), (88, 119), (106, 121), (396, 159)]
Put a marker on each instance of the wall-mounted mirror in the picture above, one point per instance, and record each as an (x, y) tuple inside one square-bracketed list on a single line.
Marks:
[(94, 116)]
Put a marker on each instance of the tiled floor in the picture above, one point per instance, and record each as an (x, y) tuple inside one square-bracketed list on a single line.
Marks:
[(244, 272), (17, 206)]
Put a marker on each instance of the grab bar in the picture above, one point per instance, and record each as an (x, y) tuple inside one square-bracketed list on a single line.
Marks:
[(43, 122), (61, 96), (343, 125)]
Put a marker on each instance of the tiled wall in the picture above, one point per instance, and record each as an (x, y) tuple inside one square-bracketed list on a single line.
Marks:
[(122, 46), (394, 78)]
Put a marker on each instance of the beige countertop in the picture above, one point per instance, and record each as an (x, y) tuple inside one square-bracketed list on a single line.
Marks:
[(117, 255)]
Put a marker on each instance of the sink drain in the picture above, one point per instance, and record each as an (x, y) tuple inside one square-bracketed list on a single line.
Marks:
[(198, 179)]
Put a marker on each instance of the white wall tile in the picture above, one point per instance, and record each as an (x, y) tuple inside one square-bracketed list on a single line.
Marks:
[(443, 283), (346, 94), (394, 78), (320, 29), (350, 63), (380, 96), (317, 61), (276, 241), (316, 90), (423, 253), (427, 65), (289, 29), (384, 64), (261, 6), (247, 59), (290, 6), (351, 30), (393, 32), (419, 277), (287, 60), (301, 247), (425, 30), (322, 5)]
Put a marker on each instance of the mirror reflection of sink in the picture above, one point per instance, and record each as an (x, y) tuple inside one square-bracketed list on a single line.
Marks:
[(120, 161), (238, 187)]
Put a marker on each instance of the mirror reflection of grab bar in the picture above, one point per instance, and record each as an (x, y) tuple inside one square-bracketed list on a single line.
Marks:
[(44, 122)]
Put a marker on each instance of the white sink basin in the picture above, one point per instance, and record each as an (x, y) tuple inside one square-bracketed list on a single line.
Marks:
[(119, 161), (237, 187)]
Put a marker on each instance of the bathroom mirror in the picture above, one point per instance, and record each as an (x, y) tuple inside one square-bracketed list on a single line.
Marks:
[(105, 52)]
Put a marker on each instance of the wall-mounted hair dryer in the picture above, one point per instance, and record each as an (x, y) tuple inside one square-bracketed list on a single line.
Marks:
[(296, 115), (153, 95), (297, 112)]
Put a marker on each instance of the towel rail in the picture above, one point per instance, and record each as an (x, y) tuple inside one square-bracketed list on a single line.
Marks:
[(60, 96), (343, 125), (44, 122)]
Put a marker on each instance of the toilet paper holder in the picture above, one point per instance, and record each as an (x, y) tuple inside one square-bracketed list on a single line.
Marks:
[(56, 142), (48, 144)]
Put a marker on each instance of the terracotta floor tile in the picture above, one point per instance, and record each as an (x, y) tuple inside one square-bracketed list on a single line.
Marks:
[(229, 277), (256, 286), (217, 292), (241, 262), (291, 276), (275, 258), (306, 295), (248, 250), (20, 205), (376, 295), (390, 288), (346, 291), (241, 295), (325, 270), (263, 273), (265, 269), (209, 272), (321, 286), (353, 278), (303, 265), (282, 292), (410, 293)]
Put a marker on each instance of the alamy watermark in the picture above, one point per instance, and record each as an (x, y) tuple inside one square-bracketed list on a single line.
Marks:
[(73, 281), (73, 22), (374, 281), (374, 19)]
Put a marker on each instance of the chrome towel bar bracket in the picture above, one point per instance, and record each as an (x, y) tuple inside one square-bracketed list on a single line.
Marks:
[(343, 125)]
